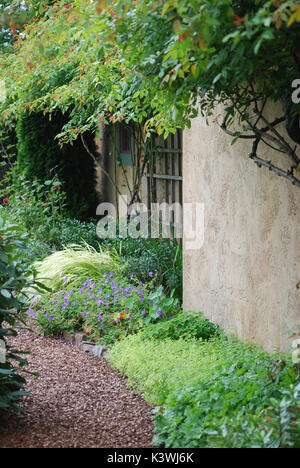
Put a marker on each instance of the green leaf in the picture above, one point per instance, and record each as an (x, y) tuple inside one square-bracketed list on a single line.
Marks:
[(5, 293)]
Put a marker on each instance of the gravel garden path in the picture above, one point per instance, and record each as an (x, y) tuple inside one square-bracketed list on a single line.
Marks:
[(79, 401)]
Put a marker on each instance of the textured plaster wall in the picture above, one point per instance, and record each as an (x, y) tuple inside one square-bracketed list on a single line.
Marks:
[(244, 277)]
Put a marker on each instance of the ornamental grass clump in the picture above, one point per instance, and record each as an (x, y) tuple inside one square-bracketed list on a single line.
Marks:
[(76, 263)]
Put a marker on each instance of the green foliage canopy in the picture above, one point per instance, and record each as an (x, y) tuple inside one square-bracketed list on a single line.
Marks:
[(152, 60)]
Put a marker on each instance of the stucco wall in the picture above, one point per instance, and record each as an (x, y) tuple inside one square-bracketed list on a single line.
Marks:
[(244, 277)]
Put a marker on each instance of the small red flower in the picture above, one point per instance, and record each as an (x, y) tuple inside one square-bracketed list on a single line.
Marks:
[(57, 187), (47, 195), (5, 200), (238, 21), (26, 200)]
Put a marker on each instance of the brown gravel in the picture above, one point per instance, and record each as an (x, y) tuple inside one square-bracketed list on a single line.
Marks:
[(79, 401)]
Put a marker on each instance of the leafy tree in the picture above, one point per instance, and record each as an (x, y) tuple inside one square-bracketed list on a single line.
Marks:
[(160, 62)]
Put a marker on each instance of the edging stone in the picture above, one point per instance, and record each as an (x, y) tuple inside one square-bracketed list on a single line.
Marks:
[(78, 339)]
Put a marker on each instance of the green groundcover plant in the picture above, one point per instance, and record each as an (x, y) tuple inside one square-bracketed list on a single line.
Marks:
[(215, 393)]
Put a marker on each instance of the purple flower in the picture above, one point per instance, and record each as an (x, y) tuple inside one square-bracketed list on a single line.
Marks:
[(131, 277), (159, 313)]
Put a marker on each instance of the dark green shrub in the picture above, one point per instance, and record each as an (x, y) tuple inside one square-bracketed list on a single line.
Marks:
[(8, 151), (12, 280), (38, 205), (73, 231), (39, 153), (185, 325)]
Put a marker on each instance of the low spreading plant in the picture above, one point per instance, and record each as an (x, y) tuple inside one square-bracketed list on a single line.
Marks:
[(245, 386), (157, 368), (106, 310), (278, 426), (216, 393)]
